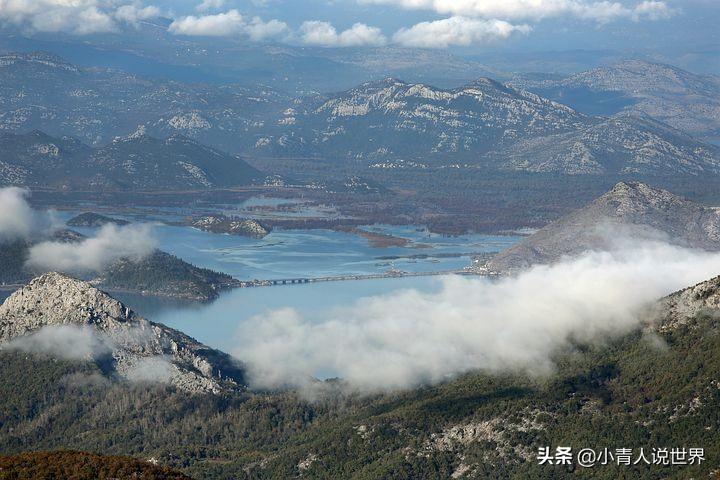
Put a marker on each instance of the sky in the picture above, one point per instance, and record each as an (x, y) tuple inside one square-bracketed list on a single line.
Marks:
[(466, 25)]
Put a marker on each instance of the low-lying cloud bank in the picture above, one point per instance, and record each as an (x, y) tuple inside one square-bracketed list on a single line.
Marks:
[(18, 221), (408, 338), (94, 254), (74, 342), (69, 342)]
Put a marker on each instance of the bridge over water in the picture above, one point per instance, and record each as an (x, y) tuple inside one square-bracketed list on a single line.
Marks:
[(345, 278)]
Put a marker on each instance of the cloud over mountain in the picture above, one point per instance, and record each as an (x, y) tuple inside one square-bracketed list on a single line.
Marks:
[(514, 324), (227, 24), (80, 17), (17, 218), (600, 11), (326, 35), (462, 31), (111, 243)]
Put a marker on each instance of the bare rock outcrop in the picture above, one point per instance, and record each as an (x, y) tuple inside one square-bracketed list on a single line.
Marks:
[(125, 343), (683, 306)]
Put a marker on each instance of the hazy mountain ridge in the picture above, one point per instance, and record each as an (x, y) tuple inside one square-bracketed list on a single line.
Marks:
[(484, 123), (394, 119), (622, 144), (134, 162), (684, 100), (127, 341), (629, 209), (41, 91)]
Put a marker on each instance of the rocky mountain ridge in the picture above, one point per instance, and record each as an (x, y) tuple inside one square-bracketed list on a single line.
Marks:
[(130, 346), (630, 209), (624, 144), (684, 100), (680, 307), (483, 124), (42, 91), (134, 162), (406, 119)]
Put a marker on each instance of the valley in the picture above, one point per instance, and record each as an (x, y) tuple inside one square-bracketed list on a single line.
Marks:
[(386, 239)]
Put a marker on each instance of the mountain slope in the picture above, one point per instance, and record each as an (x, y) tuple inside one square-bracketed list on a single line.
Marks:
[(484, 124), (620, 145), (684, 100), (392, 119), (120, 341), (135, 162), (82, 466), (653, 387), (42, 91), (628, 209)]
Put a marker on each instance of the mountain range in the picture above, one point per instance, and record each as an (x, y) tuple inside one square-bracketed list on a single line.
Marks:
[(483, 124), (394, 119), (681, 99), (133, 162), (42, 91), (630, 209)]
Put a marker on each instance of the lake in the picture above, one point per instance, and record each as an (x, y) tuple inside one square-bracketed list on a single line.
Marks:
[(293, 254)]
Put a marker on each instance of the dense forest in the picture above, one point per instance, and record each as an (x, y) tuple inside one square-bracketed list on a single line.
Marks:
[(164, 274), (69, 465), (627, 394)]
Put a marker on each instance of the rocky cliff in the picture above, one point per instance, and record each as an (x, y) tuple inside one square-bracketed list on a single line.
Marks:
[(687, 304), (68, 313)]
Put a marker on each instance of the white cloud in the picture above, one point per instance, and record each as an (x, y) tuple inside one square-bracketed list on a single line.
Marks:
[(460, 31), (218, 25), (80, 17), (133, 13), (653, 10), (157, 369), (258, 30), (602, 11), (17, 219), (324, 34), (70, 342), (407, 338), (95, 253), (210, 5), (227, 24)]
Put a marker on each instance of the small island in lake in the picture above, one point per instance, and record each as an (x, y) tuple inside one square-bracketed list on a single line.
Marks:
[(230, 225), (91, 219), (376, 239)]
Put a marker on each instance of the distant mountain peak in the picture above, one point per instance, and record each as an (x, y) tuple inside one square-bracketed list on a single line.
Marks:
[(486, 82), (139, 134), (641, 194), (131, 345), (628, 207)]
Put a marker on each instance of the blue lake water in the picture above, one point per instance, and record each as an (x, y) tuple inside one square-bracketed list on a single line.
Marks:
[(296, 254), (216, 323)]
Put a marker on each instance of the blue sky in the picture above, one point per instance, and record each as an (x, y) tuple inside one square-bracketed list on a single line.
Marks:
[(463, 25)]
